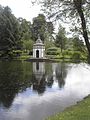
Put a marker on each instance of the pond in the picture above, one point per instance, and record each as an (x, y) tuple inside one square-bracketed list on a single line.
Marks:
[(33, 91)]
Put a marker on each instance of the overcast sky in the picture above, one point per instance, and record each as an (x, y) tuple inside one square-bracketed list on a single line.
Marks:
[(22, 8)]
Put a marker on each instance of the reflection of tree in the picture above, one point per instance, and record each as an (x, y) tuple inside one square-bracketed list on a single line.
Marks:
[(61, 74), (6, 96), (12, 81), (49, 76), (50, 81), (39, 85)]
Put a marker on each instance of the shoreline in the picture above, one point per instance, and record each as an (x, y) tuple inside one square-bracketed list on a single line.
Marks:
[(79, 111)]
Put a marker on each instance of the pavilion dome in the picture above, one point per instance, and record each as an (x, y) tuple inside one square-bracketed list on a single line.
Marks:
[(39, 41)]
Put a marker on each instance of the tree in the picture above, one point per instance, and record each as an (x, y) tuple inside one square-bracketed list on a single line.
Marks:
[(9, 31), (26, 34), (28, 45), (78, 44), (25, 29), (42, 27), (49, 31), (61, 38), (38, 27), (76, 10)]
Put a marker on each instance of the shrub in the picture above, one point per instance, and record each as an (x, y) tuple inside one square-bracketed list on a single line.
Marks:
[(53, 51), (77, 55), (17, 53), (67, 52)]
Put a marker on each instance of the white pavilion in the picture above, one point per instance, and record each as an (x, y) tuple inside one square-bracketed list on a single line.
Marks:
[(39, 49)]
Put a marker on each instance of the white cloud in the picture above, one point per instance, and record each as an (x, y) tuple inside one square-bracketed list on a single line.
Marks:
[(22, 8)]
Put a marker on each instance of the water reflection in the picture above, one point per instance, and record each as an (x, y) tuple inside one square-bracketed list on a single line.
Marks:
[(41, 78), (38, 70), (29, 89), (38, 77), (12, 81), (8, 84), (61, 74), (16, 77)]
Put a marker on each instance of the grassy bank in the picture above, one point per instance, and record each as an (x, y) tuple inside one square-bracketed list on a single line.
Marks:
[(81, 111)]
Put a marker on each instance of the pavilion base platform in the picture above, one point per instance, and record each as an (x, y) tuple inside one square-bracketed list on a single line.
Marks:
[(39, 60)]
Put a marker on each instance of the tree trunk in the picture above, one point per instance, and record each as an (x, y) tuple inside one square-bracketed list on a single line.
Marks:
[(78, 5), (85, 35)]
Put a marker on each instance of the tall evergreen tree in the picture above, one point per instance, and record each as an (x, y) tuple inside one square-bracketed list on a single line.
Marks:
[(9, 31), (61, 38)]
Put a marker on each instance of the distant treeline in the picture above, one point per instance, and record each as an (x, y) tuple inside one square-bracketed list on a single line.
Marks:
[(17, 35)]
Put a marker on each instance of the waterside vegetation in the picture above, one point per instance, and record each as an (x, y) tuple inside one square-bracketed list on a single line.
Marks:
[(80, 111)]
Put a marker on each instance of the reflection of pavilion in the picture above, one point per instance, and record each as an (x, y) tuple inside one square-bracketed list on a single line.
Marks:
[(38, 70), (39, 77)]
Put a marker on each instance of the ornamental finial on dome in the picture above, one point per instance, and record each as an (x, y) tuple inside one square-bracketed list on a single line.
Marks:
[(38, 36), (39, 40)]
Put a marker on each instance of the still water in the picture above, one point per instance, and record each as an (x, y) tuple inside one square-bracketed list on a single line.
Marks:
[(33, 91)]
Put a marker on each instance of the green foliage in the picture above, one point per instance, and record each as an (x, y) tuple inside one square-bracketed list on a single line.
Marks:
[(49, 44), (42, 27), (28, 45), (78, 55), (53, 51), (25, 29), (69, 44), (68, 52), (74, 11), (38, 27), (9, 31), (78, 45), (61, 38), (17, 53), (19, 34)]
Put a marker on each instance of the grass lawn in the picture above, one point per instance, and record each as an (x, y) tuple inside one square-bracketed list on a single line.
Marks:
[(81, 111)]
